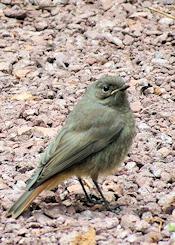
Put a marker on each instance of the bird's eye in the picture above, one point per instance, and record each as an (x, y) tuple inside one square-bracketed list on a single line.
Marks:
[(106, 88)]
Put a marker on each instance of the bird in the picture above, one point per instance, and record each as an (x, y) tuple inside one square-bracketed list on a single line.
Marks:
[(94, 140)]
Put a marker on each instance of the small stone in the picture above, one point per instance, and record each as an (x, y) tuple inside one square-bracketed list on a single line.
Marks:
[(2, 6), (166, 21), (156, 169), (143, 126), (2, 146), (21, 73), (116, 188), (130, 165), (22, 231), (166, 138), (24, 130), (166, 177), (167, 200), (75, 68), (41, 218), (172, 119), (45, 132), (64, 2), (109, 195), (20, 185), (30, 112), (107, 4), (23, 96), (132, 238), (3, 184), (173, 214), (141, 225), (91, 60), (168, 2), (129, 221), (75, 189), (3, 43), (41, 25), (55, 211), (164, 152), (149, 91), (153, 237), (110, 38), (159, 91), (128, 40), (136, 106), (8, 2), (5, 67), (123, 233), (159, 61), (15, 12)]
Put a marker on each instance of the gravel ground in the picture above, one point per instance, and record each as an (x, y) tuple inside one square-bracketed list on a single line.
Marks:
[(48, 55)]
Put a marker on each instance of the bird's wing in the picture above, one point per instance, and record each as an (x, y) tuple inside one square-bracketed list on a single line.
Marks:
[(73, 147)]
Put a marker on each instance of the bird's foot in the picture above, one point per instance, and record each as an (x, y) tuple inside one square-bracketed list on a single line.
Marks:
[(92, 200)]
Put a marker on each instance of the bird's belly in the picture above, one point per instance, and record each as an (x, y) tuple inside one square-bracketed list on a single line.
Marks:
[(108, 159)]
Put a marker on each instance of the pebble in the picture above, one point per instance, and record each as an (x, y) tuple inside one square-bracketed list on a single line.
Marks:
[(143, 126), (76, 189), (166, 21), (166, 200), (131, 165), (136, 106), (112, 39), (132, 238), (141, 225), (64, 2), (128, 40), (168, 2), (159, 61), (129, 221), (20, 185), (159, 91), (24, 130), (166, 139), (5, 66), (2, 6), (164, 151), (15, 12), (173, 214), (30, 112), (156, 169), (42, 218), (106, 4), (8, 2), (41, 25)]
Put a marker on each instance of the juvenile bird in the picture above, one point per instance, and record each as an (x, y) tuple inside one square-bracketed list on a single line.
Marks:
[(94, 140)]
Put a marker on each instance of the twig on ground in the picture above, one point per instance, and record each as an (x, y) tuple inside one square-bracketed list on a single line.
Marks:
[(157, 220), (162, 13)]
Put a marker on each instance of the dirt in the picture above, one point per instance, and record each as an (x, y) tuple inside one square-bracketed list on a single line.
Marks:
[(50, 51)]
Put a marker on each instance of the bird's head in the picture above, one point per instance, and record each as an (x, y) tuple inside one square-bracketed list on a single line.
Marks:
[(110, 90)]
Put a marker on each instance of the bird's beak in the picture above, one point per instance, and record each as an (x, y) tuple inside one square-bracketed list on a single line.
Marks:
[(120, 89)]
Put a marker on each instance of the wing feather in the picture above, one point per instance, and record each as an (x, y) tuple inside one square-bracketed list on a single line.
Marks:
[(75, 147)]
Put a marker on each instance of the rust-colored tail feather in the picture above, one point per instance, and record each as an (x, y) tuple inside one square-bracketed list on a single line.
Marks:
[(23, 202), (26, 199)]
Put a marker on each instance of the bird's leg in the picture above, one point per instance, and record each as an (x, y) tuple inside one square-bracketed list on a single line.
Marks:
[(101, 194), (107, 204), (85, 192), (89, 198)]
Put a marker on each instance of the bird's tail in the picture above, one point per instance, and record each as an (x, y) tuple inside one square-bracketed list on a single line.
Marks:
[(25, 199), (23, 202)]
